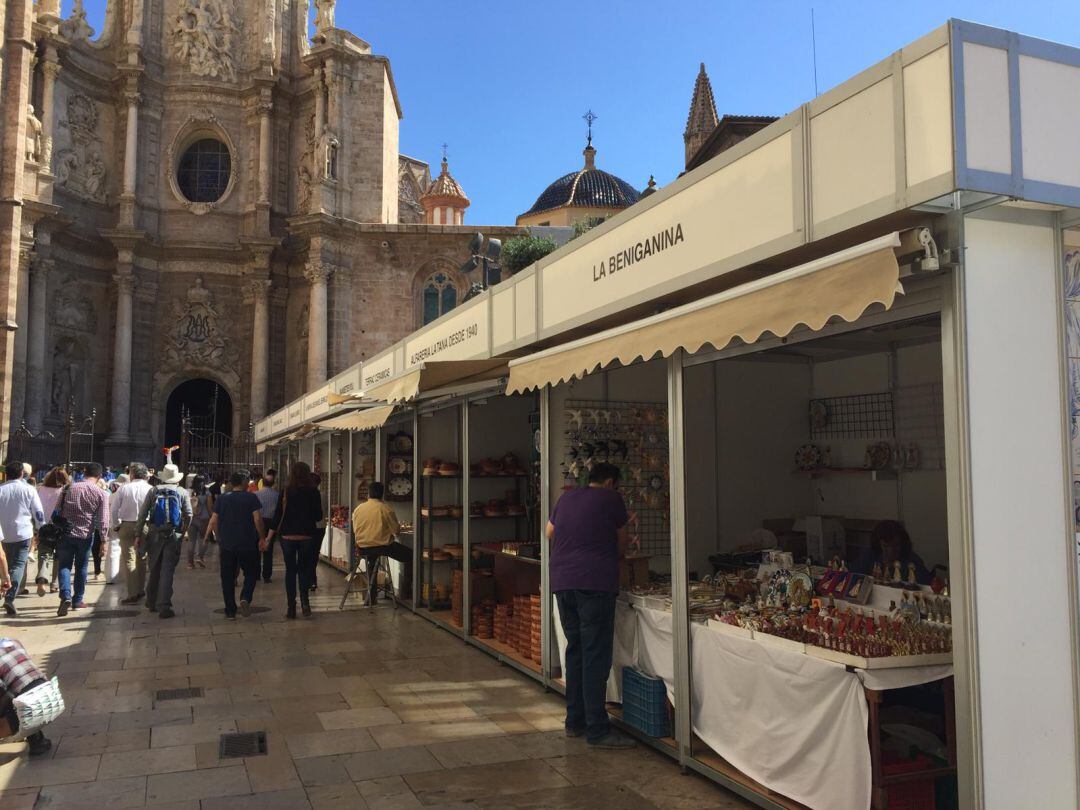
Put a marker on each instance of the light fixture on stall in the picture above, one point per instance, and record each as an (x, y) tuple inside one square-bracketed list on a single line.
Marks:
[(917, 246)]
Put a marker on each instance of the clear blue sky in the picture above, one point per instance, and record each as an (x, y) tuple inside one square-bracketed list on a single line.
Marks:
[(505, 83)]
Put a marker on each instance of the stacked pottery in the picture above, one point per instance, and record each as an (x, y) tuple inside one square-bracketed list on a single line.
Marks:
[(503, 618), (483, 621), (534, 627), (456, 613)]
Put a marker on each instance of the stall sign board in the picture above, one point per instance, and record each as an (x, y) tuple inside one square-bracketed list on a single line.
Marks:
[(295, 413), (379, 370), (349, 382), (462, 336), (317, 404)]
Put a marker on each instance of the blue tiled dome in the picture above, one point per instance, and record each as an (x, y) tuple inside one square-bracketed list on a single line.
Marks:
[(586, 188)]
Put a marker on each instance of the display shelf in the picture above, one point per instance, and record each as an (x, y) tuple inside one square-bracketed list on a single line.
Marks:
[(507, 654), (497, 553), (706, 761), (442, 619), (500, 475), (440, 477), (496, 517), (665, 744), (874, 475)]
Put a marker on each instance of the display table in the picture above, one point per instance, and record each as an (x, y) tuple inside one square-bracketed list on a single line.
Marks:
[(796, 724)]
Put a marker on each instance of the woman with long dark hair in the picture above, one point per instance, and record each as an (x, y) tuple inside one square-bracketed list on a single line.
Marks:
[(202, 507), (298, 514), (49, 492)]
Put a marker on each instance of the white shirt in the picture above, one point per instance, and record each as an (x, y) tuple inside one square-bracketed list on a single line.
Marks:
[(129, 500), (20, 509)]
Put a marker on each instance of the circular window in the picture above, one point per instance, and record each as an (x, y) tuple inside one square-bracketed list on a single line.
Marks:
[(204, 171)]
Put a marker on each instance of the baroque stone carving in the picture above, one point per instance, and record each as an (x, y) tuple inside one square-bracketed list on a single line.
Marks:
[(73, 309), (67, 377), (35, 150), (80, 168), (75, 27), (305, 171), (324, 15), (207, 37), (197, 337)]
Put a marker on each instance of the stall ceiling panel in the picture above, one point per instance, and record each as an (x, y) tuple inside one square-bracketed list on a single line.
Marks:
[(741, 206), (928, 117), (986, 108), (1050, 121), (843, 285), (852, 152)]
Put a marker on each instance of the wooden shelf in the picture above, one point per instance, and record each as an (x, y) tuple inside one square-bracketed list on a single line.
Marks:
[(499, 553), (507, 652), (496, 517), (887, 474)]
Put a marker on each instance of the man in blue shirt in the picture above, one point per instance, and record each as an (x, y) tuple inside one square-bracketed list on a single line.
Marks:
[(20, 515), (241, 536)]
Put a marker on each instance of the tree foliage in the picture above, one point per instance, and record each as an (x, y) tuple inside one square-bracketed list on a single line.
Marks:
[(520, 251)]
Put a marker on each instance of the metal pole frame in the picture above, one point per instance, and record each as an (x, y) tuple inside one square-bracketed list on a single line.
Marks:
[(680, 619), (548, 653)]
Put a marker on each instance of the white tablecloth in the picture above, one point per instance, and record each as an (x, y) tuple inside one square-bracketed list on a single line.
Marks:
[(792, 722)]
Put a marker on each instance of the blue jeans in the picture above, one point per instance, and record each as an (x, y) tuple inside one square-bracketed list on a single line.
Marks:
[(73, 552), (298, 567), (16, 554), (588, 621)]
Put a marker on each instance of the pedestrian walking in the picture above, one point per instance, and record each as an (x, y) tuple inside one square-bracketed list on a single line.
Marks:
[(268, 496), (163, 522), (20, 515), (375, 526), (55, 480), (129, 503), (85, 508), (295, 522), (241, 536), (202, 508), (588, 530), (101, 539), (18, 675), (112, 545)]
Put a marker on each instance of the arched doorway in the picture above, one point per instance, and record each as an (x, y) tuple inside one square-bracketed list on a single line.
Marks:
[(208, 407)]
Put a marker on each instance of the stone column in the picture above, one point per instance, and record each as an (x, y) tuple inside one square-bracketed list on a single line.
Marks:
[(258, 290), (318, 275), (131, 156), (264, 110), (50, 70), (36, 349), (121, 379), (320, 105)]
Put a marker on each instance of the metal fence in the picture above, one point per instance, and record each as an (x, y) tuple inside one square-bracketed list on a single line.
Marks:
[(74, 445), (210, 452)]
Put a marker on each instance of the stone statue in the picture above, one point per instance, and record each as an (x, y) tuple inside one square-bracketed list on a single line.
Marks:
[(207, 37), (75, 27), (324, 16), (33, 135), (66, 374)]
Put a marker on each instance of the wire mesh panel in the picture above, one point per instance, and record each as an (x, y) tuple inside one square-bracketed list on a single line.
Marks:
[(920, 424), (634, 437), (862, 416)]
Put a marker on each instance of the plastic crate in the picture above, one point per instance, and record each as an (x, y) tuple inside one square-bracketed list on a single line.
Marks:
[(910, 795), (645, 705)]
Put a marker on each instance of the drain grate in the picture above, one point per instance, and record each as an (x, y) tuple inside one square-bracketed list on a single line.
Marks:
[(179, 694), (249, 744)]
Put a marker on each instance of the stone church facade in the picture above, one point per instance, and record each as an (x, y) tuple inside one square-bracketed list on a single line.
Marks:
[(201, 190)]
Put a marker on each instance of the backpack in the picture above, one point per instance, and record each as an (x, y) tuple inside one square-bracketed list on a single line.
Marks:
[(167, 510)]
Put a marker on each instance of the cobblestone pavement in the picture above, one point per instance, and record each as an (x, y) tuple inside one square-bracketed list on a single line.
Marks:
[(361, 710)]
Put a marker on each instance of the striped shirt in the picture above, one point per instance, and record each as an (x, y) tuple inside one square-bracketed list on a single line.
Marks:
[(87, 507), (17, 672)]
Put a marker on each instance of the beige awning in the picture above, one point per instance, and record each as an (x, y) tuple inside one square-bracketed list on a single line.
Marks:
[(340, 399), (842, 285), (435, 375), (367, 419)]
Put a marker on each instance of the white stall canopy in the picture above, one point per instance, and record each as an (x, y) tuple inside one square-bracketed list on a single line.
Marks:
[(842, 285), (435, 375), (367, 419)]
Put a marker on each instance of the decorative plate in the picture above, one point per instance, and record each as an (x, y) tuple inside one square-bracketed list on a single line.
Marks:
[(400, 487), (401, 443), (808, 457), (398, 466), (819, 414), (656, 483), (878, 455)]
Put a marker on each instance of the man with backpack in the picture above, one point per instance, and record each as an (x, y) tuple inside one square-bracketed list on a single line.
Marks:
[(163, 522)]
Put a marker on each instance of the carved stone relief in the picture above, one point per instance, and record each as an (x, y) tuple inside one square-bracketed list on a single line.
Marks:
[(73, 309), (197, 337), (75, 27), (68, 374), (80, 168), (207, 37), (305, 171)]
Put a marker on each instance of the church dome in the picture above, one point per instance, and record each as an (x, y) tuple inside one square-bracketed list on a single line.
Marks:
[(589, 187)]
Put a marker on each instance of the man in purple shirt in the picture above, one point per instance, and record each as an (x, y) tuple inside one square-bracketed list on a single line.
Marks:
[(588, 530), (85, 507)]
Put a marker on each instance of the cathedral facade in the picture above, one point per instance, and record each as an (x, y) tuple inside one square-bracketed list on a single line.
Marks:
[(204, 190)]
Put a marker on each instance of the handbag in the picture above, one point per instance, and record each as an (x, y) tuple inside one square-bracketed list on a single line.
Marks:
[(58, 519), (37, 707)]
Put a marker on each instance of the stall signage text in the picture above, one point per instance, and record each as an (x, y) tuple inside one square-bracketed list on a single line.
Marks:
[(379, 373), (639, 251), (441, 344)]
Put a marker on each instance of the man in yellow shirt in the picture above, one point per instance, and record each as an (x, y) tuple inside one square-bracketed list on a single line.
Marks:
[(374, 526)]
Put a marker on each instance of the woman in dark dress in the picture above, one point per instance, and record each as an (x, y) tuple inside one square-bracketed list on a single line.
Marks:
[(295, 521)]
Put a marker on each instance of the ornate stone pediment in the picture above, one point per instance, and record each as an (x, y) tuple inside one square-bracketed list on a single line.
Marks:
[(207, 37)]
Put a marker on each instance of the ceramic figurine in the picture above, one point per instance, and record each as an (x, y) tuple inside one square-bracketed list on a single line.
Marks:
[(876, 572), (897, 574), (911, 577)]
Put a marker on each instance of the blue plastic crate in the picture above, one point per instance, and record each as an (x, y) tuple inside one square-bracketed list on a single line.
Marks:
[(645, 703)]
